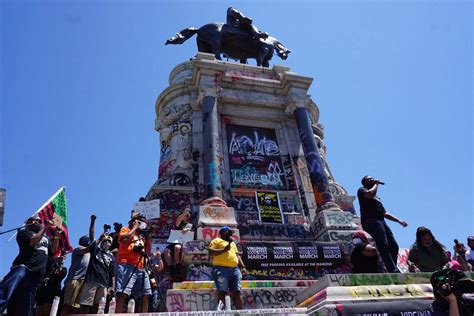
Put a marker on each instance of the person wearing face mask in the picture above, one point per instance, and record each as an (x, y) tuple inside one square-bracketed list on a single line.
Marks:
[(100, 275), (427, 254), (227, 264), (77, 272), (131, 276), (18, 287)]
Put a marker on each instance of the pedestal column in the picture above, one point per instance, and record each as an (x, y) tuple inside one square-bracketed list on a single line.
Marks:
[(318, 178), (210, 125)]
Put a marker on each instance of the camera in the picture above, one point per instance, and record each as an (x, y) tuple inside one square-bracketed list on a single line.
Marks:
[(138, 248)]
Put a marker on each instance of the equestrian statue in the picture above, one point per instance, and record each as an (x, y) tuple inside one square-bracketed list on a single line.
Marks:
[(238, 39)]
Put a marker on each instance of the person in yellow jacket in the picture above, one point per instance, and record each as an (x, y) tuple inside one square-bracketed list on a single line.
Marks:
[(227, 264)]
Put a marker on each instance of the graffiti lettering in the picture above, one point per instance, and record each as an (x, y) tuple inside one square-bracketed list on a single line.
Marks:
[(274, 232)]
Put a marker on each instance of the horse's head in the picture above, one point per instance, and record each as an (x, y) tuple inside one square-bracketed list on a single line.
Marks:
[(280, 49)]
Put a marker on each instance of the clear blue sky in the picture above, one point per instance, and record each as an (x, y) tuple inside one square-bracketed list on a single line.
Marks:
[(393, 81)]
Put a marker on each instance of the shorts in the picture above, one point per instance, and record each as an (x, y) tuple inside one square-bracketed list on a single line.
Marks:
[(139, 281), (72, 293), (92, 294), (227, 278)]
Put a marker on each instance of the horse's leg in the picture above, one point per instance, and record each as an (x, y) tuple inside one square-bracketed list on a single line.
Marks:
[(216, 49), (243, 61), (203, 47)]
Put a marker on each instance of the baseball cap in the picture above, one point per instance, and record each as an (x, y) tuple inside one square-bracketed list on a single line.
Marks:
[(470, 238), (224, 229)]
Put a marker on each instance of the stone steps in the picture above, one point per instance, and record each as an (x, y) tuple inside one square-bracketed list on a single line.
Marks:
[(205, 299), (192, 285)]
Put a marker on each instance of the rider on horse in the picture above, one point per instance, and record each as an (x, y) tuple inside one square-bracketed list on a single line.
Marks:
[(236, 19)]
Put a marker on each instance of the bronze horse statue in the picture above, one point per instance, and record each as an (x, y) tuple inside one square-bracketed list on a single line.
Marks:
[(233, 42)]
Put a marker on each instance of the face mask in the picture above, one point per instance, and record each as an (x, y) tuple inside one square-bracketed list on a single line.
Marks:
[(142, 226), (105, 246), (35, 227)]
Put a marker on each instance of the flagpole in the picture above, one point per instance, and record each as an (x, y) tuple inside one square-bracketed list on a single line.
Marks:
[(42, 206)]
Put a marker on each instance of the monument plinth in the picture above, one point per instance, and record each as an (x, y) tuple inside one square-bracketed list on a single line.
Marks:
[(243, 146)]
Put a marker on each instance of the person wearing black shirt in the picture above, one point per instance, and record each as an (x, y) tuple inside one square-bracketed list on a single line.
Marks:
[(18, 287), (100, 276), (173, 250), (372, 215), (364, 256)]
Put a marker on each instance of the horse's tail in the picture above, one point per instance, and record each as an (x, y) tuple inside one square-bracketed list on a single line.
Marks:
[(182, 36)]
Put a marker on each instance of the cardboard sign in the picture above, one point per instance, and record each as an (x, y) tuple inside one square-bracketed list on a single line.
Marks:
[(177, 236), (291, 254), (269, 210), (217, 216), (149, 209)]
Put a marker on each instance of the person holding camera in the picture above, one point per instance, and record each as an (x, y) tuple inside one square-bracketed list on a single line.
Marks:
[(372, 216), (427, 254), (131, 275), (226, 262), (453, 293), (100, 275)]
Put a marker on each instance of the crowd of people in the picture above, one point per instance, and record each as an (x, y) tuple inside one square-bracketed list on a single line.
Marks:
[(119, 272)]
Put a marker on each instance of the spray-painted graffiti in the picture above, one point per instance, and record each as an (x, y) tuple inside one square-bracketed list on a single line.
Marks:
[(281, 274), (201, 247), (206, 299), (336, 236), (243, 203), (274, 232), (245, 284), (210, 233), (175, 130), (333, 220), (290, 177), (174, 200), (254, 158), (199, 272), (245, 218)]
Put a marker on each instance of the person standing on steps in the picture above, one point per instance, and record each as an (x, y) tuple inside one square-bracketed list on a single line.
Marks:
[(372, 216)]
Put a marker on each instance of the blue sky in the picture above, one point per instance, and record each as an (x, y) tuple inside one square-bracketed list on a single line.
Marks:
[(79, 80)]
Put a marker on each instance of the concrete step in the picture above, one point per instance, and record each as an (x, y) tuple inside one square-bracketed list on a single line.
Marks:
[(369, 279), (182, 300), (194, 285), (413, 307), (380, 293)]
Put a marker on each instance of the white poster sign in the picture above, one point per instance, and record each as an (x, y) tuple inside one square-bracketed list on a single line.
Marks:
[(149, 209), (177, 236)]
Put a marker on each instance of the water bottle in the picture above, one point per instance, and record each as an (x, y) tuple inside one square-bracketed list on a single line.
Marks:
[(54, 306), (227, 303), (102, 302), (131, 306), (112, 305)]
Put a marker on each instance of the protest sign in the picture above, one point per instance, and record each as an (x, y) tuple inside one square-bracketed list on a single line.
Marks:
[(179, 237), (269, 210), (149, 209)]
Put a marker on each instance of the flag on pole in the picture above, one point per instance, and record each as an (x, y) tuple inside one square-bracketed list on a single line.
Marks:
[(55, 209)]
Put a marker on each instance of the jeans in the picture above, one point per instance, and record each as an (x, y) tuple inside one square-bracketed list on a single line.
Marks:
[(18, 290), (227, 278), (10, 283), (386, 244), (138, 281)]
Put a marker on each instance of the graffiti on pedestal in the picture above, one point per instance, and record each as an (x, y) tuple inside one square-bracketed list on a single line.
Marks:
[(174, 125), (254, 158), (274, 232)]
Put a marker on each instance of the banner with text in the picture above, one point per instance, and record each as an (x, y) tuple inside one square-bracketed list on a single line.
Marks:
[(291, 254), (269, 210)]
